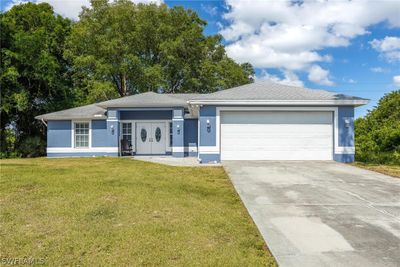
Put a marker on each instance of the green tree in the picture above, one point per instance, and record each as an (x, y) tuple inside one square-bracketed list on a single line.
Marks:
[(377, 135), (121, 48), (33, 72)]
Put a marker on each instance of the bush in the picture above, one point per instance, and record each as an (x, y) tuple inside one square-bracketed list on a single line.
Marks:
[(377, 135), (32, 147)]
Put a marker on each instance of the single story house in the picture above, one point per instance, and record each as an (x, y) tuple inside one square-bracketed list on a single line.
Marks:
[(257, 121)]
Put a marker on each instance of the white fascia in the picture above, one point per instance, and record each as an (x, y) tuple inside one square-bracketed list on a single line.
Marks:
[(358, 102)]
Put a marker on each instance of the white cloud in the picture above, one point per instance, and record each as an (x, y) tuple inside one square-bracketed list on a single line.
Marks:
[(290, 35), (319, 75), (377, 69), (396, 80), (211, 10), (13, 3), (351, 81), (69, 8), (289, 78), (389, 47)]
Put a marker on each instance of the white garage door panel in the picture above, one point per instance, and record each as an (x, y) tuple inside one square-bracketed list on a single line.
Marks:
[(276, 136)]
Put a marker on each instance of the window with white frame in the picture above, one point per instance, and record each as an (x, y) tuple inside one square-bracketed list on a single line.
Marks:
[(81, 134), (127, 132), (170, 134)]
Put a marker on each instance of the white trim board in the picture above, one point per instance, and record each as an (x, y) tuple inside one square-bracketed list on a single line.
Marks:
[(280, 102), (184, 149), (82, 150)]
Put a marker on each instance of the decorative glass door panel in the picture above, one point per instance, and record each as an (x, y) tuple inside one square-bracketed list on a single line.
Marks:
[(150, 138)]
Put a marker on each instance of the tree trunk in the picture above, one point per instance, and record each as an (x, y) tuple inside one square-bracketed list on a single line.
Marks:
[(123, 85)]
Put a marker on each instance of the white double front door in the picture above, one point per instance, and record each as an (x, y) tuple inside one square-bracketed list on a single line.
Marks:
[(150, 138)]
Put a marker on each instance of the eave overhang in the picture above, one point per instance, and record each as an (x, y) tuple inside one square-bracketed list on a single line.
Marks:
[(356, 103)]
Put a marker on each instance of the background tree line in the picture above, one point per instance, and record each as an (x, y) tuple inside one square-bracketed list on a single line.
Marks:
[(50, 63), (377, 135)]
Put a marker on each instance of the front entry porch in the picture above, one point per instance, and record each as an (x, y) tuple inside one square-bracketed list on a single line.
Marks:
[(145, 138)]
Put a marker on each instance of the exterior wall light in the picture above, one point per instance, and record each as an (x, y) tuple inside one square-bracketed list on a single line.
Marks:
[(112, 129), (347, 123), (178, 129), (208, 126)]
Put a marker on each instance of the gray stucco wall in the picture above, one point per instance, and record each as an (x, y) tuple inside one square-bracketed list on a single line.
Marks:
[(59, 133)]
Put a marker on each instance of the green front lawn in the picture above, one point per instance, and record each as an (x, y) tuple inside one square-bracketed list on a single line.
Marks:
[(392, 170), (122, 212)]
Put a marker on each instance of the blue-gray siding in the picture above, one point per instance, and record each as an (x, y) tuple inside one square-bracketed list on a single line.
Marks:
[(346, 134), (113, 127), (346, 158), (207, 135), (190, 132), (209, 158), (59, 133), (101, 135), (190, 137)]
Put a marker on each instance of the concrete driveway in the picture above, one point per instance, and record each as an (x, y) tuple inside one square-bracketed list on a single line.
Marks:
[(322, 213)]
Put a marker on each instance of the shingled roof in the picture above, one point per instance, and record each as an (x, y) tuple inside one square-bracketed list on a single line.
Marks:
[(84, 112), (149, 99), (264, 92)]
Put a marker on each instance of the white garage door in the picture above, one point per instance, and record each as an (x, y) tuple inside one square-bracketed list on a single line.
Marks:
[(276, 135)]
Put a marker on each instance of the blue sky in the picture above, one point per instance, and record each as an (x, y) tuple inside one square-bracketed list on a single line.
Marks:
[(349, 47)]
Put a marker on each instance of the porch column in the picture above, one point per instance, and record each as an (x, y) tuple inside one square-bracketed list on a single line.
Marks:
[(177, 133), (113, 128)]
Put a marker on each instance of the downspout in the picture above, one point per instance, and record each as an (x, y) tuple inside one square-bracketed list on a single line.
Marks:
[(42, 120)]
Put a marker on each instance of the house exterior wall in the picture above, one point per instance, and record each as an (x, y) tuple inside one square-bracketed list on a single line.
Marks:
[(113, 130), (346, 134), (178, 133), (190, 137), (100, 134), (145, 114), (209, 150), (60, 139), (59, 133)]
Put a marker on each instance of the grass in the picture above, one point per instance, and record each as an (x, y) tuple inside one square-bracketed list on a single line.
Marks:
[(109, 212), (392, 170)]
